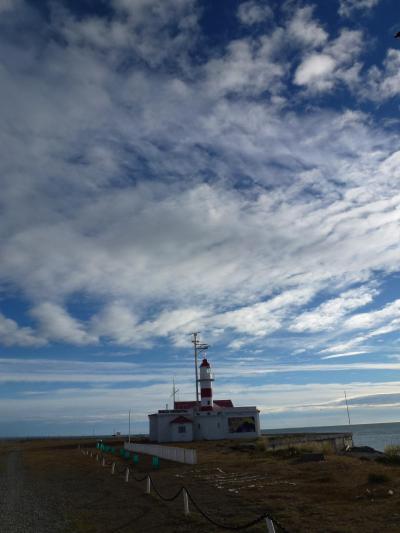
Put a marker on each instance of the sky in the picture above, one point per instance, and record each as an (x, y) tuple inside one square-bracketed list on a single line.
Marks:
[(222, 166)]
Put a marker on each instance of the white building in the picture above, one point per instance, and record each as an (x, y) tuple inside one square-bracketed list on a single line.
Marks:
[(207, 419)]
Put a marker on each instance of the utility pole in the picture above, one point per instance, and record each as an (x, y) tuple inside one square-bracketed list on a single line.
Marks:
[(198, 347), (347, 407), (129, 427)]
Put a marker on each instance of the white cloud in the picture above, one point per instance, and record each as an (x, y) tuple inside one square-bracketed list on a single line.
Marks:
[(248, 67), (384, 83), (315, 70), (328, 314), (12, 334), (336, 62), (263, 318), (253, 12), (154, 31), (348, 7), (372, 319), (346, 354), (294, 200), (304, 29), (117, 322), (56, 324)]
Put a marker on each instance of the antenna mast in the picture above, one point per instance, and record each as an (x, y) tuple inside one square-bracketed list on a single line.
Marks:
[(198, 347), (174, 391)]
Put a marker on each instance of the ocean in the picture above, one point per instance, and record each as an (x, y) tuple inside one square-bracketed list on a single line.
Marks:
[(375, 435)]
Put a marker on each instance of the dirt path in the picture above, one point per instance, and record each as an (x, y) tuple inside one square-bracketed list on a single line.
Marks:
[(23, 509), (58, 490)]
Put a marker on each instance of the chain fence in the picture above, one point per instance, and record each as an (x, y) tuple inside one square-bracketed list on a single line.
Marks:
[(271, 521)]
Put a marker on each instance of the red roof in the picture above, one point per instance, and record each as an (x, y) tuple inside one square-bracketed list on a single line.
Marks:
[(181, 420), (189, 405), (223, 403), (185, 405)]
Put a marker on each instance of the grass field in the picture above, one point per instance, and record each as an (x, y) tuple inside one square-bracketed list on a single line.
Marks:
[(339, 494)]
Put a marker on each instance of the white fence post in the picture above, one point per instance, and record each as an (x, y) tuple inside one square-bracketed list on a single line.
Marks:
[(185, 502), (148, 485), (270, 525), (113, 468), (91, 455), (127, 475)]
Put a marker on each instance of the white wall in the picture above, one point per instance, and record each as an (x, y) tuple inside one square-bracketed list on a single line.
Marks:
[(213, 426), (153, 433), (181, 437)]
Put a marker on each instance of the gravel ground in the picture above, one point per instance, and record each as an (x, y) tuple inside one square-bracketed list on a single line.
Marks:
[(23, 506)]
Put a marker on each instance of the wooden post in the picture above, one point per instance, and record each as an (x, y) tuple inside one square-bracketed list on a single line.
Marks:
[(185, 502), (113, 468), (148, 485), (270, 525), (127, 475)]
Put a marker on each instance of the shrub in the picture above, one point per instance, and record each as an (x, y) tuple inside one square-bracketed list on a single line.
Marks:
[(392, 450), (260, 445)]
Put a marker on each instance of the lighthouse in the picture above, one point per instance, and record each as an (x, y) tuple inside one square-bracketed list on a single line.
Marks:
[(204, 418), (206, 378)]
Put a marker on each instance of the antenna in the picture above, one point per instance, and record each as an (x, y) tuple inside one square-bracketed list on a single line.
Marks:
[(347, 407), (198, 347), (174, 391)]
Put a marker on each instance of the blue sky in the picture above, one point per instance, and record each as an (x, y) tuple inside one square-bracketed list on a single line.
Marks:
[(169, 166)]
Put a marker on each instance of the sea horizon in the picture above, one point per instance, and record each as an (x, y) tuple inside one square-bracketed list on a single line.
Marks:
[(363, 434)]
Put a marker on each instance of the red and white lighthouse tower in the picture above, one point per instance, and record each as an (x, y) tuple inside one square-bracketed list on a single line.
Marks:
[(206, 378)]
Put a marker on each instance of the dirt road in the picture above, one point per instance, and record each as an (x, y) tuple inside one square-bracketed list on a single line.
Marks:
[(23, 506)]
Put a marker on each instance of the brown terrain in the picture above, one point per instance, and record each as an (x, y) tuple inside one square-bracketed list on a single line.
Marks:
[(51, 486)]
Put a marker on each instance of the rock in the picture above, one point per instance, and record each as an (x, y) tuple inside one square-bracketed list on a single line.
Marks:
[(366, 449)]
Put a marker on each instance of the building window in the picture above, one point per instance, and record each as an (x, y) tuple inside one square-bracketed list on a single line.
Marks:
[(242, 424), (181, 429)]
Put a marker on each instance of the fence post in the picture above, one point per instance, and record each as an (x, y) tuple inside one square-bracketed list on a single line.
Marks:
[(113, 468), (148, 485), (103, 462), (185, 502), (91, 455), (127, 475), (97, 457), (270, 525)]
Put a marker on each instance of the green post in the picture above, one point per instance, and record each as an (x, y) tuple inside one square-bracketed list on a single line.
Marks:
[(135, 458), (155, 462)]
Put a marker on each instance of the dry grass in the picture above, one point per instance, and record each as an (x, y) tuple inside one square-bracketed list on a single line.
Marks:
[(231, 485), (392, 450)]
